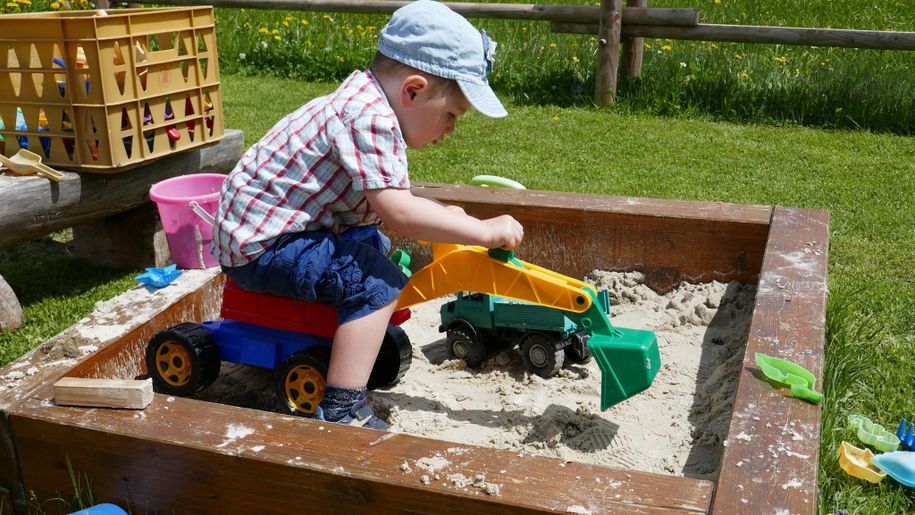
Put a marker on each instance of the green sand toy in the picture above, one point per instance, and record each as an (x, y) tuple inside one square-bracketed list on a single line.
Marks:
[(873, 433), (791, 374)]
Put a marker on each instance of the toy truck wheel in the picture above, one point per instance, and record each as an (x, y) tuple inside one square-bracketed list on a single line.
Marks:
[(465, 345), (300, 384), (182, 359), (541, 355), (394, 359)]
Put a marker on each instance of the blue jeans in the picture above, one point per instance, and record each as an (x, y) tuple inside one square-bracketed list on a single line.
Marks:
[(350, 271)]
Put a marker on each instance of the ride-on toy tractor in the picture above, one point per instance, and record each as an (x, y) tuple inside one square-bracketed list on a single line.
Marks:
[(290, 336)]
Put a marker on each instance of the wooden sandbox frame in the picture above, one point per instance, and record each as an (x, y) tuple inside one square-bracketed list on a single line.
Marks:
[(178, 456)]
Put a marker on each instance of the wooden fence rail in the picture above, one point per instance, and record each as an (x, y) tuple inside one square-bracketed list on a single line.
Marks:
[(847, 38), (536, 12)]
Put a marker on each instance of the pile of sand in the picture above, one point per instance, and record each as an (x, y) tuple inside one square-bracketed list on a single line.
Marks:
[(675, 427)]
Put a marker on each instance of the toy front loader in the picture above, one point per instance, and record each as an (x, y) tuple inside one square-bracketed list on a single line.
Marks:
[(628, 358)]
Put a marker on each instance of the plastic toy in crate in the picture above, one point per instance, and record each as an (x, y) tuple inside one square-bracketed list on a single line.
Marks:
[(103, 91)]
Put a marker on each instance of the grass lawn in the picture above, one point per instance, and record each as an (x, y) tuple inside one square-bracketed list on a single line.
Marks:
[(864, 179)]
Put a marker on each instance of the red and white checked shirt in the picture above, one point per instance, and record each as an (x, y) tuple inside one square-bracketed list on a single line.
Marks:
[(311, 170)]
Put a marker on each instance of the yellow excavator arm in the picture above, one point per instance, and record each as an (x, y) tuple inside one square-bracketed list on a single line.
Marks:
[(456, 268)]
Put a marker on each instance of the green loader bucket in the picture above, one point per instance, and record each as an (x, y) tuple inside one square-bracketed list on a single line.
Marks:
[(628, 361), (628, 358)]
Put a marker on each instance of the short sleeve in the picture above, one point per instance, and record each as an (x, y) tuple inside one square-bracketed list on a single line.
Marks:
[(373, 153)]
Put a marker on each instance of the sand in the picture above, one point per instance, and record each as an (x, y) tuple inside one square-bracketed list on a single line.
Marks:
[(675, 427)]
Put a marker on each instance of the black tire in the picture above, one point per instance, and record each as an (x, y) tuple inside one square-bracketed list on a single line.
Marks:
[(182, 360), (394, 359), (464, 344), (300, 383), (540, 354)]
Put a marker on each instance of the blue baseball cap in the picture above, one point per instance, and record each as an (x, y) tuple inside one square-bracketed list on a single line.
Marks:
[(429, 36)]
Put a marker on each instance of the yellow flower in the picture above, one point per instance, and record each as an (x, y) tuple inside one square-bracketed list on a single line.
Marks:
[(12, 5), (289, 17), (274, 32), (55, 5), (247, 25), (745, 76), (738, 57), (780, 59), (263, 30), (277, 38), (666, 48), (285, 23), (327, 17), (648, 46), (552, 45), (713, 45), (304, 22), (717, 2), (574, 59), (340, 58)]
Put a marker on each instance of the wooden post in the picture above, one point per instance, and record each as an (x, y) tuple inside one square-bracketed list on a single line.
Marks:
[(133, 239), (10, 310), (633, 48), (608, 51)]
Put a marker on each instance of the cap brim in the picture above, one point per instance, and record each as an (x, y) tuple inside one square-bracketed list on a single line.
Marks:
[(482, 98)]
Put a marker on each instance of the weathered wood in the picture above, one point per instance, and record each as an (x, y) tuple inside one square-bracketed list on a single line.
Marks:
[(544, 12), (133, 239), (608, 52), (843, 38), (633, 48), (33, 206), (10, 310), (770, 461), (103, 393)]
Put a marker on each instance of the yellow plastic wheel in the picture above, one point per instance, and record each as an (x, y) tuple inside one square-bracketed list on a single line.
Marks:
[(302, 382), (173, 363)]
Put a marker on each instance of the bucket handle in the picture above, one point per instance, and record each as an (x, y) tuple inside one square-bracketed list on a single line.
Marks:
[(202, 213)]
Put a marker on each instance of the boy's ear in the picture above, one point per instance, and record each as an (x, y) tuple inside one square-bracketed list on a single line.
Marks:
[(411, 86)]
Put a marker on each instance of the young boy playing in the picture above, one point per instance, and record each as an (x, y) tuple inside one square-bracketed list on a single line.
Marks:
[(297, 215)]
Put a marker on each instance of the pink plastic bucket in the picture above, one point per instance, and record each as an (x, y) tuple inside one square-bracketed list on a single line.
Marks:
[(188, 233)]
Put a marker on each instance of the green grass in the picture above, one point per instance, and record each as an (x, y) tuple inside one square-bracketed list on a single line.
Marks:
[(864, 179), (773, 84)]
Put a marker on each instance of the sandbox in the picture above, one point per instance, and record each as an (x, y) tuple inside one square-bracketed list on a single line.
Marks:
[(192, 455)]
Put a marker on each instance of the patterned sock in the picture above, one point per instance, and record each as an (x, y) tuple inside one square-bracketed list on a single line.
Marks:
[(338, 401)]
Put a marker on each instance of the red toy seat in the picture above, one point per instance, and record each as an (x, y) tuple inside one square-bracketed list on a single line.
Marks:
[(284, 312)]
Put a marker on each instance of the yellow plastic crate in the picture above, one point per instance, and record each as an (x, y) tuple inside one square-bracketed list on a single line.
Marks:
[(102, 91)]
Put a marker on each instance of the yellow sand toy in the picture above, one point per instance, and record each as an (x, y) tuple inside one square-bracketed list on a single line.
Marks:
[(555, 312), (857, 462)]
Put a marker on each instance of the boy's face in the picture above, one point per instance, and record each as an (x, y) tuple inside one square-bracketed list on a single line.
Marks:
[(428, 111)]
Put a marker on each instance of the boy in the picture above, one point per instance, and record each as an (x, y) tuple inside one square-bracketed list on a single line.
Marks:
[(297, 213)]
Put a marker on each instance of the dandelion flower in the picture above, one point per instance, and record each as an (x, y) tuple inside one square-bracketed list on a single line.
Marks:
[(278, 38), (574, 59), (666, 48), (713, 45), (780, 59), (55, 5), (263, 30), (745, 76), (304, 22), (328, 17), (552, 45), (738, 57)]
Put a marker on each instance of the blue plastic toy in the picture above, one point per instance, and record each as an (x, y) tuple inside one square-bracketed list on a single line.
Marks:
[(159, 277), (906, 438), (899, 465)]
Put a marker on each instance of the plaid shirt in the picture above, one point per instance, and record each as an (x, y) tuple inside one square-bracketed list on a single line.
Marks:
[(311, 170)]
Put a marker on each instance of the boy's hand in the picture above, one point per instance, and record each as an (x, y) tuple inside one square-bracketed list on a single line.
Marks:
[(503, 232)]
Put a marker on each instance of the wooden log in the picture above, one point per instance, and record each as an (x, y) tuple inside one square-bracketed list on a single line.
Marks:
[(103, 393), (33, 206), (10, 309), (842, 38), (633, 48), (608, 52), (770, 456), (543, 12)]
